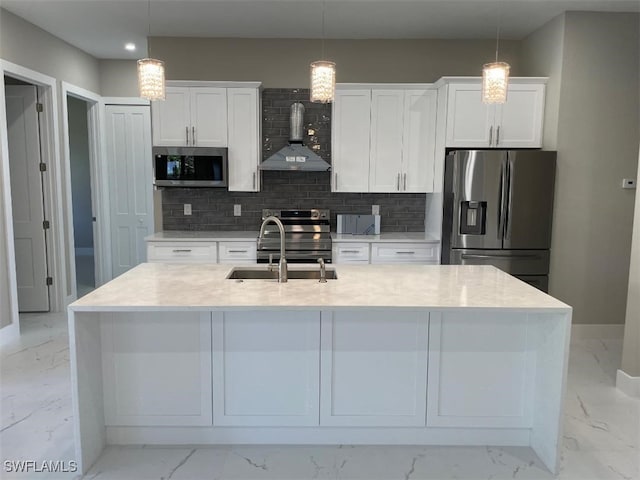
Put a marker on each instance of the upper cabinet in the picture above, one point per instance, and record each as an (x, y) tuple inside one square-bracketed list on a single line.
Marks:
[(514, 124), (214, 114), (383, 138), (191, 116)]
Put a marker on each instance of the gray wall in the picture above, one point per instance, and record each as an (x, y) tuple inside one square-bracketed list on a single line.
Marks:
[(80, 173), (118, 78), (631, 345), (597, 139), (284, 63), (212, 208), (29, 46)]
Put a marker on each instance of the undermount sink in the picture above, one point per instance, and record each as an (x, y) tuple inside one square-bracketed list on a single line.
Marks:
[(265, 274)]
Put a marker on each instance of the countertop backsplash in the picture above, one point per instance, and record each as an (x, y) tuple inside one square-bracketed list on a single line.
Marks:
[(212, 208)]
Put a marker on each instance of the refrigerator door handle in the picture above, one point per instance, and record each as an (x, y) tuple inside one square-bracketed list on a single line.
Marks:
[(507, 202), (468, 256), (502, 209)]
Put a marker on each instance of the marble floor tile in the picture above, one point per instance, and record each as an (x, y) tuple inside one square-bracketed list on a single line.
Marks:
[(601, 431)]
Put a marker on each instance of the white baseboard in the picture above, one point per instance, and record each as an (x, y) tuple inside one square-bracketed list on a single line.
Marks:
[(582, 331), (9, 333), (628, 384)]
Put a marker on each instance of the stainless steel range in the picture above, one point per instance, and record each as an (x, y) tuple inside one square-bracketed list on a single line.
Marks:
[(307, 236)]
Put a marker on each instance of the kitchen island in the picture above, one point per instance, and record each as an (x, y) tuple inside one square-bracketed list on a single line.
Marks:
[(390, 354)]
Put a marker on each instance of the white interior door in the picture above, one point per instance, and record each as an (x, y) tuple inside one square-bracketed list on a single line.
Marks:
[(26, 196), (130, 183)]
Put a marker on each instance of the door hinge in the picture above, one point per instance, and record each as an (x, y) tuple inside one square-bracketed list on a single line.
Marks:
[(43, 167), (39, 108), (45, 224), (49, 281)]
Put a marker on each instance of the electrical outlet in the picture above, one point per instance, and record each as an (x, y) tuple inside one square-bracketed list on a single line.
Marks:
[(187, 209), (628, 183), (375, 209), (237, 210)]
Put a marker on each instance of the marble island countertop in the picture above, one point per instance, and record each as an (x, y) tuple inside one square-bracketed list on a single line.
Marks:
[(158, 286)]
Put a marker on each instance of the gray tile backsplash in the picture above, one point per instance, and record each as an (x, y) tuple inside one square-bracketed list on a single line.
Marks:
[(212, 208)]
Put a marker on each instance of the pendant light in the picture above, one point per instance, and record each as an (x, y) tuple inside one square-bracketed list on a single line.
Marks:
[(495, 78), (323, 76), (151, 71)]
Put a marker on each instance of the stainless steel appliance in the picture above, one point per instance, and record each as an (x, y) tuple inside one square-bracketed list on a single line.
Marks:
[(358, 224), (498, 207), (190, 166), (307, 236)]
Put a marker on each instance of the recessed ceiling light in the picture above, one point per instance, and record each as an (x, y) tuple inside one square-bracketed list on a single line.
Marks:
[(130, 46)]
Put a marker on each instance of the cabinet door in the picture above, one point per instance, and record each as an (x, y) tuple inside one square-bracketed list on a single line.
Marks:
[(237, 252), (373, 368), (157, 368), (480, 370), (349, 252), (424, 253), (182, 252), (387, 116), (469, 121), (519, 120), (244, 139), (350, 124), (266, 368), (208, 117), (419, 140), (171, 118)]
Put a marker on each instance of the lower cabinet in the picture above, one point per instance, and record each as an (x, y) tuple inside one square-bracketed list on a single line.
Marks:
[(374, 368), (481, 371), (424, 253), (266, 368), (182, 252), (157, 368)]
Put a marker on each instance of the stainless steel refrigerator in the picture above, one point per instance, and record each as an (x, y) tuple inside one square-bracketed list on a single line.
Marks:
[(498, 207)]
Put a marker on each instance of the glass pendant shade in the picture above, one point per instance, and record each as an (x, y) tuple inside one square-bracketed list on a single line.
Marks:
[(323, 81), (495, 80), (151, 78)]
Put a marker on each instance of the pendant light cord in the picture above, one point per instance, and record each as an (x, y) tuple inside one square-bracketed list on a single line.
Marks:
[(149, 29), (497, 41), (322, 44)]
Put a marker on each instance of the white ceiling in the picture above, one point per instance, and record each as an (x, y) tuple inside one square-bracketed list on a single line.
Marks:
[(102, 27)]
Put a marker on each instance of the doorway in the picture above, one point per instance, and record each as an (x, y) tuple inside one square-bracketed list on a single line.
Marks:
[(81, 195), (26, 173)]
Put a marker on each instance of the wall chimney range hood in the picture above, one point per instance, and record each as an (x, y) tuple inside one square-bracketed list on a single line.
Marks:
[(295, 156)]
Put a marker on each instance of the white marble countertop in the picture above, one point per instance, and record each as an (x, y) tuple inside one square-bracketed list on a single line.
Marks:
[(390, 237), (203, 236), (158, 286)]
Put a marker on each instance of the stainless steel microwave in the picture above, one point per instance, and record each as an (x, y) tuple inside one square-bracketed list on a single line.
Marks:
[(190, 166)]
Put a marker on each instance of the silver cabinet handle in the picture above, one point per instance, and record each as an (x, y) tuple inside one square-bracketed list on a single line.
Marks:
[(405, 253), (186, 129), (490, 135), (237, 251), (497, 136), (405, 182), (336, 181), (398, 183), (254, 180), (181, 250), (350, 251), (193, 135)]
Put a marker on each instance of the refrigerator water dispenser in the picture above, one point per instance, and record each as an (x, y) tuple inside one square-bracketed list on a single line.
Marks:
[(473, 218)]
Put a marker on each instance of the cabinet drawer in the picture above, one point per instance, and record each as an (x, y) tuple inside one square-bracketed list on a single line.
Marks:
[(182, 252), (351, 252), (237, 252), (404, 253)]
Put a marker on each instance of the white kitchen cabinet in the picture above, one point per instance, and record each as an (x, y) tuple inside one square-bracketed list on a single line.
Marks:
[(350, 137), (481, 371), (237, 252), (157, 368), (350, 252), (191, 116), (425, 253), (266, 368), (373, 368), (384, 139), (182, 252), (244, 139), (514, 124)]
